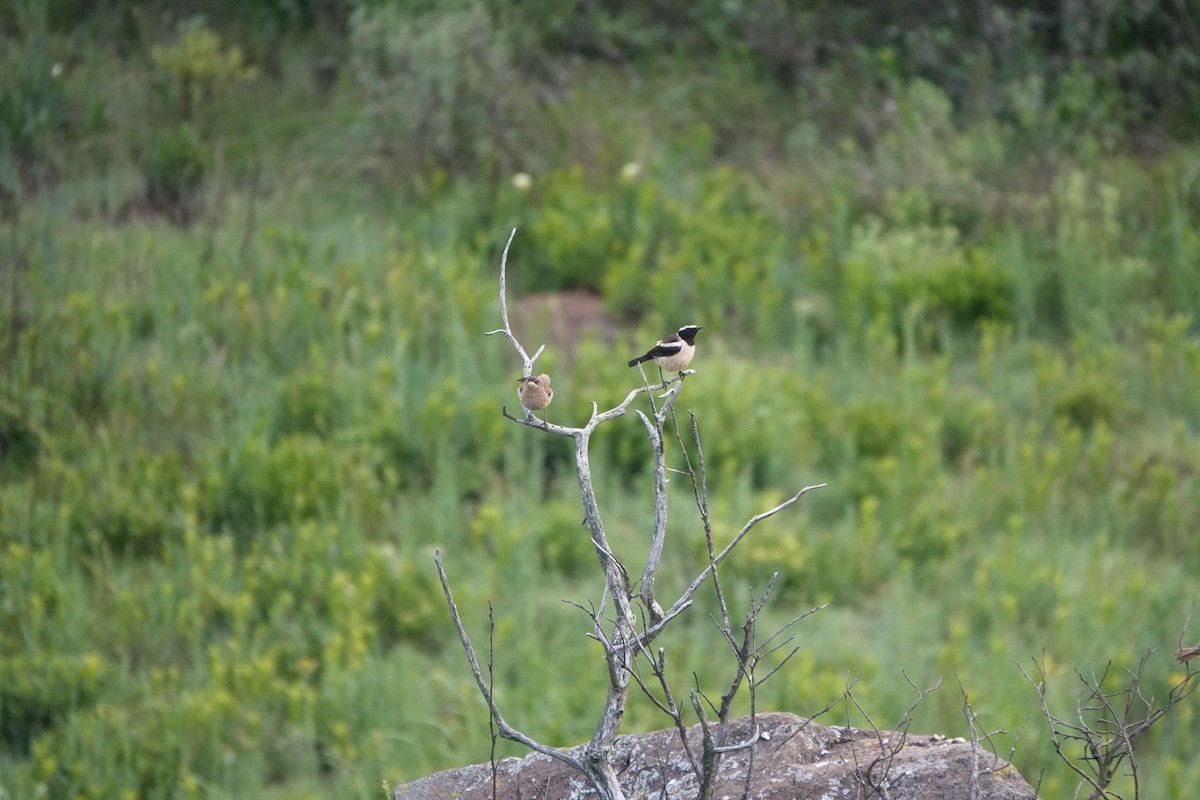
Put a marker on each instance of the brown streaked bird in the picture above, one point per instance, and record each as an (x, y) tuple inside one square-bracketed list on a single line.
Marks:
[(674, 352), (535, 392), (1187, 654)]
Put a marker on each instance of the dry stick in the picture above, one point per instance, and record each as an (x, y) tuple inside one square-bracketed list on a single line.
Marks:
[(506, 730), (527, 360), (491, 690), (713, 744), (746, 661), (658, 668), (978, 732), (659, 534), (764, 650), (887, 751), (1053, 722), (867, 779), (686, 598), (754, 683), (700, 493), (746, 657)]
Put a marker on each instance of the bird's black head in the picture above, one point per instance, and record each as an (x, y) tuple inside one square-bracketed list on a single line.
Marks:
[(688, 333)]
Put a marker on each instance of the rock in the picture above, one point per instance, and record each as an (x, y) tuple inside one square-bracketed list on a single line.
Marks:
[(794, 758)]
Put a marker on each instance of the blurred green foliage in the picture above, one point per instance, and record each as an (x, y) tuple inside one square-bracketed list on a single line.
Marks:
[(198, 66), (439, 87), (946, 256)]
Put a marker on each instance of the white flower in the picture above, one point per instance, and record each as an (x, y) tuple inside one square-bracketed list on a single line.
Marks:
[(522, 181), (56, 70), (631, 170)]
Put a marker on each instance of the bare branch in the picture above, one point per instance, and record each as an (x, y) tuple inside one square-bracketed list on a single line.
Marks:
[(1055, 725), (505, 730), (1106, 730), (533, 422), (658, 667), (906, 717), (686, 597), (977, 732), (700, 491), (491, 690), (526, 359), (768, 651), (659, 533)]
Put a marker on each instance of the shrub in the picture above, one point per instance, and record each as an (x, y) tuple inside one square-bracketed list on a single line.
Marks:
[(1087, 390), (125, 504), (198, 67), (145, 749), (176, 166), (34, 112), (440, 86), (19, 442), (708, 247), (919, 280), (38, 691), (405, 603), (259, 484)]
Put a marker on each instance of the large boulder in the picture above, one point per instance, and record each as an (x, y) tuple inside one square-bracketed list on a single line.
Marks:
[(793, 759)]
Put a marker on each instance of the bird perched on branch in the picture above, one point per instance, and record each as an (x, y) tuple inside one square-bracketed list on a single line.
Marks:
[(673, 352), (535, 392)]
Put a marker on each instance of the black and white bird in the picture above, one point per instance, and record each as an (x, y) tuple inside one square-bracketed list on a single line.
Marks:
[(673, 352), (535, 392)]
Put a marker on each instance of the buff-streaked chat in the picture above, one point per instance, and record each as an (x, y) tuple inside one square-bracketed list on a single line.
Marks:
[(535, 392)]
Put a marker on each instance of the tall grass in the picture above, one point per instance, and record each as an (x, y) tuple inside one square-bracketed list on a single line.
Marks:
[(229, 448)]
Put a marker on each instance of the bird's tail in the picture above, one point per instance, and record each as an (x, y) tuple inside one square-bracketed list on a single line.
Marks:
[(640, 359)]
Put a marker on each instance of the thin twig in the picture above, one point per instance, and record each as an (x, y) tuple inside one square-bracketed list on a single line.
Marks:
[(526, 359), (492, 691), (686, 597), (506, 730)]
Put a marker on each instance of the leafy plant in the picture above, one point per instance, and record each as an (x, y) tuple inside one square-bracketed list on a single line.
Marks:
[(440, 86), (176, 167), (199, 67), (39, 691)]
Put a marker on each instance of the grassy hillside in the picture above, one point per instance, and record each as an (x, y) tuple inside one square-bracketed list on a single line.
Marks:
[(245, 268)]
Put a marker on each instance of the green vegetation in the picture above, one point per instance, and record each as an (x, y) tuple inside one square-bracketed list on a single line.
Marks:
[(948, 265)]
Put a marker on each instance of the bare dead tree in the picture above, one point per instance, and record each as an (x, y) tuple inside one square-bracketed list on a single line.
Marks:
[(1106, 722), (623, 632)]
